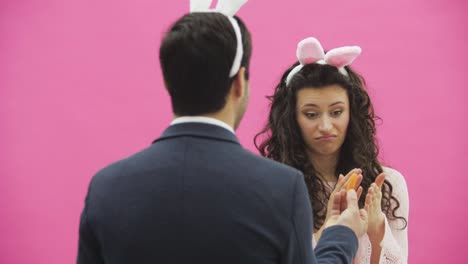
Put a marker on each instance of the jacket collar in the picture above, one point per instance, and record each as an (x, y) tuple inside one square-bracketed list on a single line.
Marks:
[(198, 130)]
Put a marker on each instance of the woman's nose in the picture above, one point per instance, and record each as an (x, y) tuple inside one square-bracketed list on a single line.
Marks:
[(325, 124)]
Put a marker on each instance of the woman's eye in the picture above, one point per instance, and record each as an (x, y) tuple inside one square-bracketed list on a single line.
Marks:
[(337, 113), (311, 115)]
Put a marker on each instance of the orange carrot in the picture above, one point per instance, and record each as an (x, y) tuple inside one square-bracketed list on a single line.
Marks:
[(352, 182)]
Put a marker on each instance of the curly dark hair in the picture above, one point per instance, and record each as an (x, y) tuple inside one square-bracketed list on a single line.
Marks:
[(282, 140)]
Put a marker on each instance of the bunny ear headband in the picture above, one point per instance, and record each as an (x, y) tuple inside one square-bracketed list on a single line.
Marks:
[(229, 8), (310, 51)]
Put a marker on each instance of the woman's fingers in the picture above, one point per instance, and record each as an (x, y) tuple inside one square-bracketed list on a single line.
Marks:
[(339, 184), (380, 180), (353, 171), (369, 197), (359, 192), (358, 181), (352, 180), (343, 181)]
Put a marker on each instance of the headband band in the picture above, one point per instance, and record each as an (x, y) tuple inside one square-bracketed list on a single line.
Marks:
[(228, 8), (310, 51)]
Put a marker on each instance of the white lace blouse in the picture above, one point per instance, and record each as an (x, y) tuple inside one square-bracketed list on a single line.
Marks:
[(395, 241)]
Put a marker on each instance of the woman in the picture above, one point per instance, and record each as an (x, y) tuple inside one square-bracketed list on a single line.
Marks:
[(322, 123)]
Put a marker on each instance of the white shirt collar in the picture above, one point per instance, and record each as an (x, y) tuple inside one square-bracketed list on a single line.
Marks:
[(202, 119)]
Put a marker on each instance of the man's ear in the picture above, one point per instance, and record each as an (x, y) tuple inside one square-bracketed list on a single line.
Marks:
[(239, 83)]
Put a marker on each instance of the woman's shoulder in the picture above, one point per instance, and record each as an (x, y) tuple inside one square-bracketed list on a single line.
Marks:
[(392, 175), (400, 188)]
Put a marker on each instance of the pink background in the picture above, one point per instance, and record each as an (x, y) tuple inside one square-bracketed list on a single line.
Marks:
[(80, 86)]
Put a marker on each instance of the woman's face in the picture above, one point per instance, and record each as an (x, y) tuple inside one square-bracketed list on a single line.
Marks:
[(323, 117)]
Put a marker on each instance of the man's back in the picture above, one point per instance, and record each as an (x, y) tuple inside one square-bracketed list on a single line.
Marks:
[(194, 196)]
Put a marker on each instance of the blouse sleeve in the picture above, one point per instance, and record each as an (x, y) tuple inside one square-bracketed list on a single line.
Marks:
[(395, 241)]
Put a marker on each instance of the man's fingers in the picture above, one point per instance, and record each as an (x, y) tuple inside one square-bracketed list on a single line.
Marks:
[(336, 206), (351, 199), (363, 214), (344, 203)]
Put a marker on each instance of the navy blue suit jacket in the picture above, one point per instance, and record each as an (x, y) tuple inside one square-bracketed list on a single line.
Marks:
[(197, 196)]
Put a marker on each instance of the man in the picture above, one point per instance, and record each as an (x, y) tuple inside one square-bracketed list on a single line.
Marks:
[(195, 195)]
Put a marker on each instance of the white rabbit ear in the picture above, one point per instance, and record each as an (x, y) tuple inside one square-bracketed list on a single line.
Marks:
[(200, 5), (229, 7), (309, 51), (343, 56)]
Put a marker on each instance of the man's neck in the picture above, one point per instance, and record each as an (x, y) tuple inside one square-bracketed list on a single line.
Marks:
[(224, 115)]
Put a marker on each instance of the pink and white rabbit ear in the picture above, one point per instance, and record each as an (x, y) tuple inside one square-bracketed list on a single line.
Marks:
[(309, 51), (343, 56), (229, 7), (200, 5)]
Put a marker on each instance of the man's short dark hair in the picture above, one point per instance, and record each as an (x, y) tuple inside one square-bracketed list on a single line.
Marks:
[(196, 56)]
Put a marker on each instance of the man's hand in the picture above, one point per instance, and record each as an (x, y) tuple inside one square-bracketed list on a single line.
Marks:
[(345, 211)]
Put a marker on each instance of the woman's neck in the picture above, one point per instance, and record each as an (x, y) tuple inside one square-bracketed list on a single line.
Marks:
[(325, 165)]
